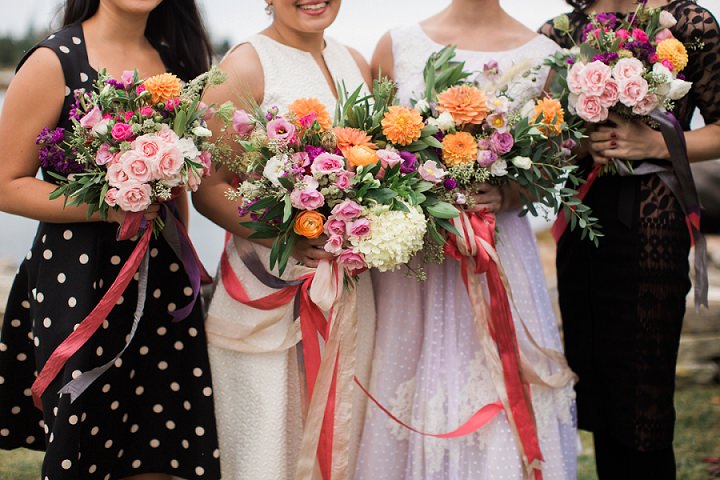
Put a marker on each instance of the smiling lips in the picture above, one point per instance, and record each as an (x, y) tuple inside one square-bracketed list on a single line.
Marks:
[(314, 8)]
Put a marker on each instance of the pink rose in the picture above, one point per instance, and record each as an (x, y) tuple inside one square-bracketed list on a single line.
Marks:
[(485, 158), (347, 211), (307, 199), (132, 197), (501, 142), (111, 197), (169, 163), (116, 175), (137, 167), (663, 34), (609, 96), (388, 158), (593, 78), (148, 145), (121, 132), (127, 78), (91, 118), (639, 35), (104, 155), (351, 261), (146, 112), (590, 109), (627, 68), (334, 244), (344, 180), (360, 228), (172, 103), (167, 134), (574, 76), (242, 123), (622, 34), (129, 116), (206, 159), (333, 226), (327, 163), (632, 91), (280, 130), (646, 105)]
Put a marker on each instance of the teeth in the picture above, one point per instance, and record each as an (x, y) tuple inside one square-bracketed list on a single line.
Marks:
[(316, 6)]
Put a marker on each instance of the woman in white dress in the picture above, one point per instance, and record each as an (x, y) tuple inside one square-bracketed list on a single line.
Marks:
[(258, 380), (429, 368)]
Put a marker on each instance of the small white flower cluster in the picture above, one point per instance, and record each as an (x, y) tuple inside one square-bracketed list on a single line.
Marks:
[(396, 237)]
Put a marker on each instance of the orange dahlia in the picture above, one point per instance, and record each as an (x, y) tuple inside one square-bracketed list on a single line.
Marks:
[(467, 104), (553, 116), (306, 106), (402, 125), (351, 137), (163, 87), (672, 50), (459, 148), (309, 224)]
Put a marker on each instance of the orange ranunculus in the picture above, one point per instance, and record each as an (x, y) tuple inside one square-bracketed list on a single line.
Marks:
[(163, 87), (553, 116), (361, 156), (459, 148), (467, 104), (402, 125), (306, 106), (309, 224), (672, 50), (351, 137)]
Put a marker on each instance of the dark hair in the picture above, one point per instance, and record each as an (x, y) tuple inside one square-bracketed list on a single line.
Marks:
[(580, 5), (175, 28)]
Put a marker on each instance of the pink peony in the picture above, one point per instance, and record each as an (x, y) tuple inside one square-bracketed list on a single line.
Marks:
[(111, 197), (307, 199), (169, 162), (344, 180), (593, 78), (127, 78), (334, 244), (609, 96), (663, 34), (347, 211), (280, 130), (116, 175), (501, 142), (639, 35), (104, 155), (327, 163), (333, 226), (574, 76), (351, 260), (388, 158), (121, 132), (646, 105), (148, 145), (137, 167), (485, 158), (627, 68), (91, 118), (242, 123), (590, 109), (167, 134), (132, 197), (632, 91), (360, 228)]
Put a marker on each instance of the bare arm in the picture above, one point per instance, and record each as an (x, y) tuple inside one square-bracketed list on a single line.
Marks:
[(362, 65), (382, 60)]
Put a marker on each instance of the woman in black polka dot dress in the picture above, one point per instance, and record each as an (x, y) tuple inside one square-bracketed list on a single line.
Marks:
[(151, 414)]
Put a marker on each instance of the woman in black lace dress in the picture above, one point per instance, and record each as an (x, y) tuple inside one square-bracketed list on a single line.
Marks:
[(623, 303), (150, 416)]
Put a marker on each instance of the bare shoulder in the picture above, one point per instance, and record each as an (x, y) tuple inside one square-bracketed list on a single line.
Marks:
[(382, 60), (244, 72), (362, 64), (40, 81)]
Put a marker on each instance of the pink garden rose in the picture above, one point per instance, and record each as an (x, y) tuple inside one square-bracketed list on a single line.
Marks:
[(593, 78), (116, 175), (148, 146), (104, 155), (334, 244), (627, 69), (327, 163), (485, 158), (360, 228), (351, 260), (333, 226), (646, 105), (169, 162), (121, 132), (280, 130), (242, 123), (590, 109), (167, 134), (501, 142), (574, 76), (111, 197), (138, 168), (306, 199), (632, 91), (344, 180), (132, 197), (347, 211), (609, 96)]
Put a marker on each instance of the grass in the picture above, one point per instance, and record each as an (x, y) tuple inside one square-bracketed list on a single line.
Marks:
[(697, 439)]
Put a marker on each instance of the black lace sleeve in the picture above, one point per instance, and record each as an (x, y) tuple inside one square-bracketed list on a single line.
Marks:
[(698, 29), (577, 22)]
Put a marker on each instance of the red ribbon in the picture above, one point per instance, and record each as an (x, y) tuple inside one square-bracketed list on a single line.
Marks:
[(90, 324), (561, 222), (502, 330)]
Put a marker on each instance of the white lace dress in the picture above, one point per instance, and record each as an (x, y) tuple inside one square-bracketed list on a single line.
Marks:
[(253, 354), (429, 368)]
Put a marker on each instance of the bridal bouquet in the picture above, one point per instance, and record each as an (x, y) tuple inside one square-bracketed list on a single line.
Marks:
[(304, 177), (631, 66), (133, 142)]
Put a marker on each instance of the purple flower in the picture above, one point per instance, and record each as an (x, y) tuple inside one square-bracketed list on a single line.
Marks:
[(409, 164), (51, 154), (313, 151), (606, 58), (449, 183), (608, 19)]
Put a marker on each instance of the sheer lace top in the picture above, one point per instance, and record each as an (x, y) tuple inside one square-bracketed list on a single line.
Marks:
[(290, 73), (412, 47), (698, 29)]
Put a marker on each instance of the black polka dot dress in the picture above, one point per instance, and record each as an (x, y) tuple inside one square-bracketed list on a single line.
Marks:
[(152, 412)]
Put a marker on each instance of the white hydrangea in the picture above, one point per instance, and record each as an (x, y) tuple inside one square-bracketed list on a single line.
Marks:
[(394, 238)]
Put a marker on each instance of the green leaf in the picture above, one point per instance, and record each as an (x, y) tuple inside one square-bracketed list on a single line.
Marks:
[(448, 226), (381, 195), (287, 213), (442, 210)]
